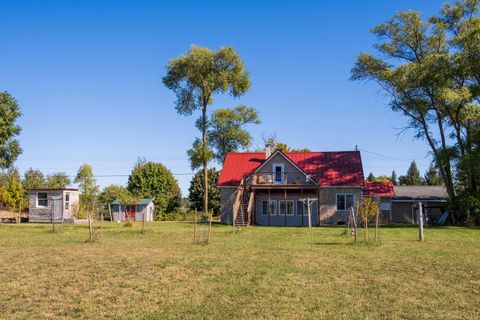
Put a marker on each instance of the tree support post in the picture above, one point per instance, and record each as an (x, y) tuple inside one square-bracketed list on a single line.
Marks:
[(420, 222)]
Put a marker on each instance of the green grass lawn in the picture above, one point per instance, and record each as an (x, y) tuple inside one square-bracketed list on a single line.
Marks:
[(261, 272)]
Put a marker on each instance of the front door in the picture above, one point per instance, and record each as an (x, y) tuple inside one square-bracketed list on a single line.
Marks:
[(130, 213)]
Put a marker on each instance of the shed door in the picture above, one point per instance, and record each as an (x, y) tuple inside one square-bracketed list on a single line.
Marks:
[(130, 212)]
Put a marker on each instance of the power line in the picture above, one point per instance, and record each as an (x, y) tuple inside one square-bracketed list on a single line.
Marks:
[(385, 156)]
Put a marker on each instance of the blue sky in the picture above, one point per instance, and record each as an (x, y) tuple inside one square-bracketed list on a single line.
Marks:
[(87, 75)]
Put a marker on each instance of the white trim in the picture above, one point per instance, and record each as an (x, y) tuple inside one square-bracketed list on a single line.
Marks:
[(422, 200), (36, 200), (274, 173), (286, 207)]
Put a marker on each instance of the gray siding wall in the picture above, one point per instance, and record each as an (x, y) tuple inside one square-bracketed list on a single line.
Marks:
[(277, 219), (293, 173), (44, 214), (227, 199)]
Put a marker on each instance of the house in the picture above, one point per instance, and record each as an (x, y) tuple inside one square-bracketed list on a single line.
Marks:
[(290, 189), (45, 205), (137, 211)]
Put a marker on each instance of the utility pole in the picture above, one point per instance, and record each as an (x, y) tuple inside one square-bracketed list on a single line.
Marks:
[(420, 222)]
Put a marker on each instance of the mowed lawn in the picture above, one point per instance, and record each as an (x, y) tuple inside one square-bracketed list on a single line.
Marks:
[(260, 272)]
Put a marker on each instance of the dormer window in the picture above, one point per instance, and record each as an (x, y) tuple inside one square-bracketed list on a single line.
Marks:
[(278, 172)]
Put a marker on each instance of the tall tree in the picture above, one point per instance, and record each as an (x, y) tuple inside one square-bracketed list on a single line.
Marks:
[(394, 178), (9, 145), (412, 178), (196, 191), (87, 185), (226, 132), (111, 193), (58, 180), (430, 70), (431, 177), (273, 142), (196, 78), (153, 180), (33, 179), (371, 177)]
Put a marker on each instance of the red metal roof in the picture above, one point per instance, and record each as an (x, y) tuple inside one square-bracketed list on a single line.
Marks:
[(339, 168), (379, 189)]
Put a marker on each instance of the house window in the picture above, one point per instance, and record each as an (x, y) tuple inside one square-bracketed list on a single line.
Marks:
[(345, 201), (285, 207), (42, 199), (266, 208), (302, 208), (67, 201), (278, 172)]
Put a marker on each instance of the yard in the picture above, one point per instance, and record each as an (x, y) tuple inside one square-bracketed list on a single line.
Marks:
[(260, 272)]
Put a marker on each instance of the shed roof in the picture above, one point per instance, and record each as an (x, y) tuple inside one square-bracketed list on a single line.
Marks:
[(337, 168), (143, 201), (420, 193)]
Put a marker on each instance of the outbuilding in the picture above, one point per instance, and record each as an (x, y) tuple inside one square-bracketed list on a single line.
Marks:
[(142, 210), (47, 205), (434, 200)]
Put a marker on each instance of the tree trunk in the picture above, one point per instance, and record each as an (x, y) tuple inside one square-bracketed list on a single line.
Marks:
[(205, 164)]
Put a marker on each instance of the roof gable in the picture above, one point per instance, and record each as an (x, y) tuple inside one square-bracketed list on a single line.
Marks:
[(273, 159), (339, 168)]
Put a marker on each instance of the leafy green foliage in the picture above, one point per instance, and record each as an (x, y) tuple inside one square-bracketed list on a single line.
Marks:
[(412, 178), (430, 69), (9, 146), (226, 131), (195, 78), (275, 144), (11, 190), (34, 179), (88, 188), (196, 191), (199, 154), (431, 177), (368, 210), (111, 193), (153, 180), (58, 180)]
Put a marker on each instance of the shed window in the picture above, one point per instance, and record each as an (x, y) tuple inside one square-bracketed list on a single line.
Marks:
[(42, 199), (67, 201), (345, 201), (385, 206)]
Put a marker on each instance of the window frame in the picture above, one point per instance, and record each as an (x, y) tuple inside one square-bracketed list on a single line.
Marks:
[(67, 201), (282, 172), (344, 195), (269, 203), (304, 208), (38, 200)]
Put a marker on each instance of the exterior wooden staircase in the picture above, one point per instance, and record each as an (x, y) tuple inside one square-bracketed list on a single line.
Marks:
[(243, 206)]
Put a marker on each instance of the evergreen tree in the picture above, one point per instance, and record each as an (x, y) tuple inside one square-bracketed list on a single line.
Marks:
[(371, 177), (432, 178), (394, 178), (412, 178)]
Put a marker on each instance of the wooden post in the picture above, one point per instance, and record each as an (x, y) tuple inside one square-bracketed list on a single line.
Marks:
[(210, 226), (420, 222), (110, 212), (101, 227), (53, 217), (354, 224), (376, 223), (285, 201), (143, 221), (195, 227), (309, 213)]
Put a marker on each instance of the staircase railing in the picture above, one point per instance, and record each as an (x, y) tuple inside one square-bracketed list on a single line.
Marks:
[(237, 203)]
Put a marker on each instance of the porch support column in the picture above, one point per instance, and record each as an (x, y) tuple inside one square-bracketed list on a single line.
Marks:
[(285, 199)]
